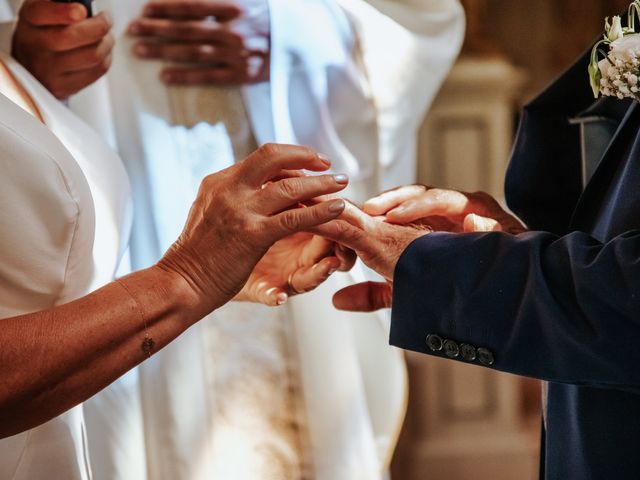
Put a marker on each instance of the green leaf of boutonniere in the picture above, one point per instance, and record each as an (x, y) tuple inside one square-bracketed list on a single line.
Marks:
[(595, 76)]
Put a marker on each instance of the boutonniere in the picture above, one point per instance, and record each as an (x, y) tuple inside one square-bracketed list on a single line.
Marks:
[(615, 60)]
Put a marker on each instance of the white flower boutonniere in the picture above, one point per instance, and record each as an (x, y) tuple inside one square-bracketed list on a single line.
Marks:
[(616, 72)]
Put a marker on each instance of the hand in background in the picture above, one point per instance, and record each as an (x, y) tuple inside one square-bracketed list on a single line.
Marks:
[(241, 212), (197, 37), (294, 265), (443, 210), (61, 47)]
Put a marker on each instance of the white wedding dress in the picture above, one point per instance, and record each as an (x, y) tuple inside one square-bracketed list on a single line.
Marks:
[(64, 222)]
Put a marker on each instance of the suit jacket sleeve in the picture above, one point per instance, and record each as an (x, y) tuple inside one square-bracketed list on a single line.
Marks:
[(563, 309)]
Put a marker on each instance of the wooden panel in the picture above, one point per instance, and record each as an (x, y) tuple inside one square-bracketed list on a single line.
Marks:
[(466, 394)]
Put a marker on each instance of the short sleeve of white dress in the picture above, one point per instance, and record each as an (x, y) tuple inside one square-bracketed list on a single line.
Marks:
[(46, 237), (46, 216)]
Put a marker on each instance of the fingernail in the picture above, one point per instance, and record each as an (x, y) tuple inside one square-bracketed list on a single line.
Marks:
[(134, 29), (282, 298), (332, 271), (341, 179), (337, 207), (324, 159), (77, 13)]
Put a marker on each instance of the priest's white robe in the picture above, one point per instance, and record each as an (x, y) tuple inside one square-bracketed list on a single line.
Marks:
[(353, 79)]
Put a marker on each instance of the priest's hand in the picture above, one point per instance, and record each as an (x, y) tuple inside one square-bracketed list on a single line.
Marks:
[(443, 210), (201, 42), (61, 47), (296, 264)]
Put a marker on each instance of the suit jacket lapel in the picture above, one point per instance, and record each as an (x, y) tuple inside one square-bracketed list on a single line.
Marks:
[(616, 153), (543, 181)]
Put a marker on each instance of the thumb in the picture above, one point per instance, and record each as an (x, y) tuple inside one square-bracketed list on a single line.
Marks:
[(476, 223), (364, 297)]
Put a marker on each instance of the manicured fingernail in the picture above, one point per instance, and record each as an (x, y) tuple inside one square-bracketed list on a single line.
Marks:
[(337, 207), (324, 159), (282, 298), (341, 179)]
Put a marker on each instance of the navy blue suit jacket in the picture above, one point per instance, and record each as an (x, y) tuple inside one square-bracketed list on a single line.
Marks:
[(559, 303)]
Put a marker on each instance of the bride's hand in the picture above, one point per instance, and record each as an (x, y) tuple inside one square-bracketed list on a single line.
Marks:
[(443, 210), (296, 264), (241, 212)]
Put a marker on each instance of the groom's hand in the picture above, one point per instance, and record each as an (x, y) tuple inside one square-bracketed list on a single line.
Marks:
[(443, 210), (61, 47), (377, 243), (196, 36)]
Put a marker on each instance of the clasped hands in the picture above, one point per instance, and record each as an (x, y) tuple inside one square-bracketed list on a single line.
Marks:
[(387, 224), (378, 234)]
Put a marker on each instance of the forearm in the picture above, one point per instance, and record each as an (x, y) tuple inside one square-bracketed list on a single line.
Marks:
[(52, 360), (563, 309)]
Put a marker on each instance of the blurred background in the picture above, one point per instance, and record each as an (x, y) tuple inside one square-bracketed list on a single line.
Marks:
[(463, 421)]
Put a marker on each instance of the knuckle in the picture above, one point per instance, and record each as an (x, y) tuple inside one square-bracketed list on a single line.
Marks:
[(343, 229), (209, 182), (104, 66), (61, 39), (269, 150), (290, 189), (234, 39), (252, 228), (483, 197), (103, 26), (202, 53), (95, 56), (109, 42), (414, 189), (290, 221), (183, 30)]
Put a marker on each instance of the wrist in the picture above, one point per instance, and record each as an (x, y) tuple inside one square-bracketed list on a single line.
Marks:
[(184, 299), (161, 292)]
